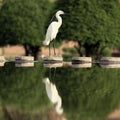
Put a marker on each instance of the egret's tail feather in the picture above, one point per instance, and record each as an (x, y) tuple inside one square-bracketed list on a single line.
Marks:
[(46, 42), (59, 111), (46, 80)]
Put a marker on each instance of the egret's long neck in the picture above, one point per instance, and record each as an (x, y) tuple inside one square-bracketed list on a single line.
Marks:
[(59, 20)]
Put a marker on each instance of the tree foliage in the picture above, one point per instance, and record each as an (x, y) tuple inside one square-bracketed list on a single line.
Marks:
[(94, 24), (23, 22), (1, 1)]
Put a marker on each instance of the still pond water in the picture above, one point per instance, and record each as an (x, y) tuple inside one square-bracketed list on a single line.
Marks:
[(31, 93)]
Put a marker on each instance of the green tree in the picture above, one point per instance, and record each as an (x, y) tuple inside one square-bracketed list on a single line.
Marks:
[(1, 3), (23, 22), (94, 24)]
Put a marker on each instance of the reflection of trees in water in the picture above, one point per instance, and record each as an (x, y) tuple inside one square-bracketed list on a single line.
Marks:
[(89, 93), (23, 94), (86, 93), (23, 87)]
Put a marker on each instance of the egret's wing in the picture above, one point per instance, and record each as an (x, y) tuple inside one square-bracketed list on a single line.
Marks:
[(51, 91), (48, 88), (54, 93), (52, 30)]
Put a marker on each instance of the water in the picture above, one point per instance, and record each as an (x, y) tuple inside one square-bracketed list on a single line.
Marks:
[(86, 93)]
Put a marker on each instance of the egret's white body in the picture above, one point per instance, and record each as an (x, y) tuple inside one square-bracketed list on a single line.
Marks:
[(53, 29), (53, 95)]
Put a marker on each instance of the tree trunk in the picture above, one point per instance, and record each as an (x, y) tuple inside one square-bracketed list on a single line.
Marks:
[(79, 49), (92, 50), (35, 51), (31, 50), (88, 50), (27, 49)]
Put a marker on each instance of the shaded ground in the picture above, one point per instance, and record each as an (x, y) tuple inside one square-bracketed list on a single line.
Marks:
[(12, 51), (115, 115)]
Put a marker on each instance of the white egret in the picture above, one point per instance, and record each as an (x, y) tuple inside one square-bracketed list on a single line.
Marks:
[(53, 95), (53, 30)]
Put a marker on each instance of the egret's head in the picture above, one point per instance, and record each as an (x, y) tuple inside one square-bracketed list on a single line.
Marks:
[(60, 12)]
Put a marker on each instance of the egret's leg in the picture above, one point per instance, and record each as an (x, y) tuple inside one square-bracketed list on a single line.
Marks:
[(50, 73), (54, 46), (54, 74), (49, 50)]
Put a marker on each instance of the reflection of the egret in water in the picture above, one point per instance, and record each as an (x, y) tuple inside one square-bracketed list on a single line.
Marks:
[(53, 95), (52, 92)]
